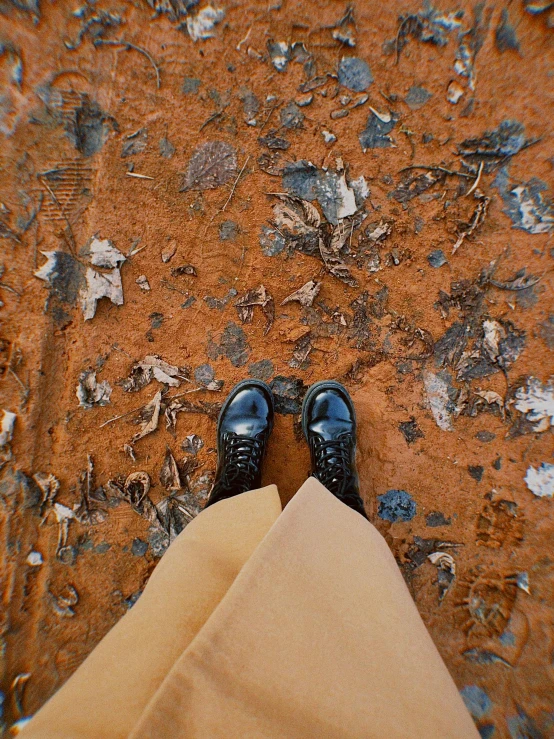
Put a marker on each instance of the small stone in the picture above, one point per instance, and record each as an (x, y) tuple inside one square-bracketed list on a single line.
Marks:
[(156, 320), (355, 74), (288, 393), (396, 505), (411, 430), (34, 559), (336, 114), (168, 252), (142, 282), (437, 258), (328, 137), (427, 138), (454, 92), (303, 100), (476, 471), (204, 375), (497, 464), (139, 547)]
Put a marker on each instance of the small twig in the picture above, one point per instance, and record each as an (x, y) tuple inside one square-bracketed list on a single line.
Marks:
[(128, 45), (139, 176), (477, 179), (397, 40), (25, 388), (221, 210), (116, 418), (235, 184), (244, 40), (441, 169), (211, 118), (186, 392), (11, 289), (264, 124), (169, 286)]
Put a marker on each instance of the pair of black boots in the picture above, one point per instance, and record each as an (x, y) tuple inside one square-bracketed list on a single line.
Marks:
[(245, 424)]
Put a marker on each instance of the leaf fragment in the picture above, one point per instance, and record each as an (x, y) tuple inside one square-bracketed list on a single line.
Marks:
[(212, 164)]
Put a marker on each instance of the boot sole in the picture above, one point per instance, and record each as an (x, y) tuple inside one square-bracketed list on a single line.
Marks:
[(316, 388)]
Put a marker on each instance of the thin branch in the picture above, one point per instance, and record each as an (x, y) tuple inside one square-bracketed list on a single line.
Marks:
[(128, 45), (211, 118), (441, 169), (477, 179), (221, 210), (116, 418), (235, 184)]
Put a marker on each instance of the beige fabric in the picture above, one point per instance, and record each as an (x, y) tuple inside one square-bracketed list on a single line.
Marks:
[(305, 629), (108, 693)]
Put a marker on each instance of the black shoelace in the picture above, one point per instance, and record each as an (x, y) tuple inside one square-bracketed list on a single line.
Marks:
[(242, 457), (333, 463)]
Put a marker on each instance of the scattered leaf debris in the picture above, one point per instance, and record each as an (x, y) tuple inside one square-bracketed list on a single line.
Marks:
[(540, 480), (153, 367), (256, 296), (90, 392)]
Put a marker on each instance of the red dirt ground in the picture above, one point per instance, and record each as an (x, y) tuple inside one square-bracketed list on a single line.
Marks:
[(54, 435)]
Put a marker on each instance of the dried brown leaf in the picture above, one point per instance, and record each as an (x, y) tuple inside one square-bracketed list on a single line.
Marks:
[(150, 415), (305, 295), (330, 254), (256, 296), (212, 164), (169, 474)]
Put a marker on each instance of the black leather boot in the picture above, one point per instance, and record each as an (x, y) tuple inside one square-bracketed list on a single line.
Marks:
[(243, 430), (329, 424)]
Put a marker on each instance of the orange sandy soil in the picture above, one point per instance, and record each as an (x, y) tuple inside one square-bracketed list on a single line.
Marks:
[(53, 435)]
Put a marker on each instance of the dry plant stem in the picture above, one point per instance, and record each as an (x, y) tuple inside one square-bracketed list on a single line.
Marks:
[(128, 45)]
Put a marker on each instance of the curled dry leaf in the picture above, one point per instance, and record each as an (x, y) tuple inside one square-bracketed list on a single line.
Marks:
[(169, 473), (256, 296), (212, 164), (153, 367), (184, 406), (536, 402), (64, 602), (90, 392), (149, 417), (305, 295), (6, 435), (330, 250), (520, 281), (49, 486), (192, 444), (446, 570)]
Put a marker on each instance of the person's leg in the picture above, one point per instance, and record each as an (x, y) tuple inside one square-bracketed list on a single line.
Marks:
[(110, 690), (317, 637)]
